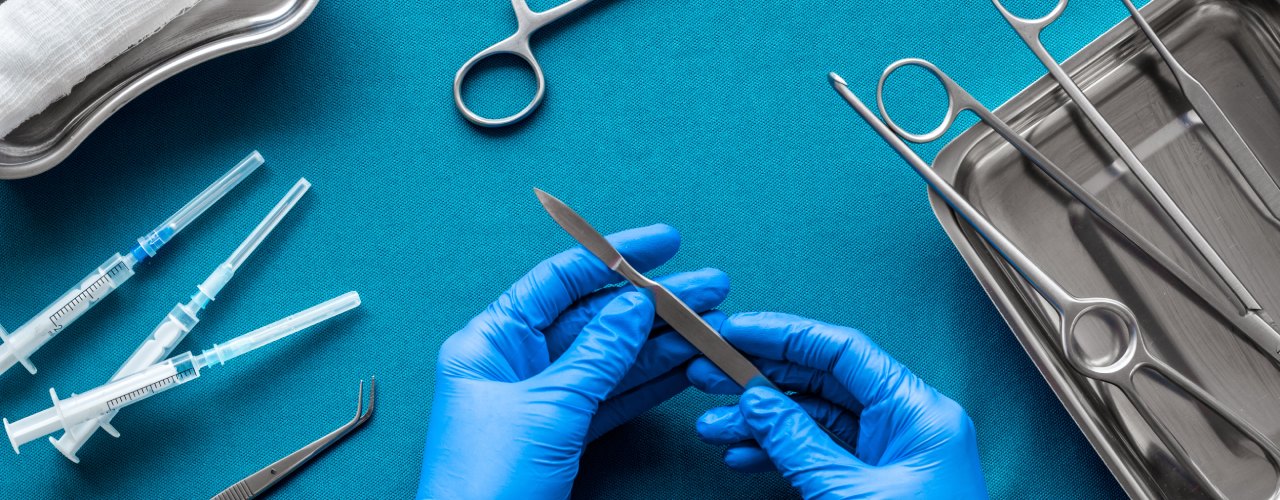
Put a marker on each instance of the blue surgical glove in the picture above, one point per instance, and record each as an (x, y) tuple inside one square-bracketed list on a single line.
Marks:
[(910, 441), (555, 362)]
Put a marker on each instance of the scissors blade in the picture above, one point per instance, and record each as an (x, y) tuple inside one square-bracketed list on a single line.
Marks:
[(682, 319)]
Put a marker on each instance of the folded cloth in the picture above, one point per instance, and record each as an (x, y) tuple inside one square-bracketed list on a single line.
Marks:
[(48, 46)]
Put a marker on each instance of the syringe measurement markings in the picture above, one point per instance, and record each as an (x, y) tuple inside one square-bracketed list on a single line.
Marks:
[(87, 295), (149, 388), (116, 270)]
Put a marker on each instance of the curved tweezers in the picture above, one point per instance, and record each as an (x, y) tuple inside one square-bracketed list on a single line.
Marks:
[(254, 485)]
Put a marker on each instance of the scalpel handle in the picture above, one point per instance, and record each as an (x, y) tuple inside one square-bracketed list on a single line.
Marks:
[(694, 329)]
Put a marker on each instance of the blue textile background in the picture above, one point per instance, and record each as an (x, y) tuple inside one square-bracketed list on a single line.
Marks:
[(714, 117)]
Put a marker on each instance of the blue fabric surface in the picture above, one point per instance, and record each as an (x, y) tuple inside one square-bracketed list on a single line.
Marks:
[(713, 117)]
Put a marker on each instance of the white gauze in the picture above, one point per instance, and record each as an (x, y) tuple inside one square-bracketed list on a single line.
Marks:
[(48, 46)]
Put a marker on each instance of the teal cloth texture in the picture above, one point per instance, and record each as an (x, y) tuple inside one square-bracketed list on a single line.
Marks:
[(713, 117)]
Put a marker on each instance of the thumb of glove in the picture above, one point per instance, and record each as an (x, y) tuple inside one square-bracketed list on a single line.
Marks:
[(606, 348)]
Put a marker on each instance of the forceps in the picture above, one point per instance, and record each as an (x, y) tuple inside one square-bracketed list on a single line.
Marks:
[(1029, 30), (1263, 184), (528, 23), (1259, 330), (1080, 317), (254, 485)]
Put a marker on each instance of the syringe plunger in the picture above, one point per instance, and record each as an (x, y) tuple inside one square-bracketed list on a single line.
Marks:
[(70, 412)]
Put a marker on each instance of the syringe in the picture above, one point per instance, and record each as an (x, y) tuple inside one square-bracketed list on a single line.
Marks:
[(180, 321), (104, 399), (21, 343)]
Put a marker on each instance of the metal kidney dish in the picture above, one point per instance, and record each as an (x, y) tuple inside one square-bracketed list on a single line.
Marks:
[(210, 29)]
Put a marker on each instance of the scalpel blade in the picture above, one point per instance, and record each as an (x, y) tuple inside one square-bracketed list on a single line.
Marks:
[(581, 230)]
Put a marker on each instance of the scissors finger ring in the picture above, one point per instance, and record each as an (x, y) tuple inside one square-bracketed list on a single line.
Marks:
[(528, 23)]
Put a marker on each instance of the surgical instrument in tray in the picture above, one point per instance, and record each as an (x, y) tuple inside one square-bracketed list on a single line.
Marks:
[(1263, 184), (21, 343), (1081, 318), (255, 484), (1256, 328), (1029, 30), (528, 23), (102, 400), (179, 322), (682, 319)]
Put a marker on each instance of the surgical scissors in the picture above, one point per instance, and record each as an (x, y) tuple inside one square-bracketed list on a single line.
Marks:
[(258, 482), (1080, 318), (1029, 30), (1202, 102), (528, 23), (1258, 329)]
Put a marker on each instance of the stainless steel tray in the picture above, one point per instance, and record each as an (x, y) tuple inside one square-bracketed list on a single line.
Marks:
[(210, 29), (1233, 48)]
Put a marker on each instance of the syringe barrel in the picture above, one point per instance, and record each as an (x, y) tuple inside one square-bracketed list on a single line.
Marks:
[(161, 342), (103, 399), (65, 310), (166, 336), (117, 394)]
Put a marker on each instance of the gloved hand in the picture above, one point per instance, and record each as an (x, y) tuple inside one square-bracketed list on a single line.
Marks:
[(555, 362), (910, 440)]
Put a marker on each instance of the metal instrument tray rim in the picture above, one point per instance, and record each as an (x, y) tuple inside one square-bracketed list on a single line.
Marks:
[(101, 108), (1086, 65)]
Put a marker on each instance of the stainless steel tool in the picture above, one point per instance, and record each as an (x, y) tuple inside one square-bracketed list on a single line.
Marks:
[(1029, 30), (210, 29), (682, 319), (528, 23), (1084, 318), (1262, 182), (1258, 329), (258, 482), (1229, 45)]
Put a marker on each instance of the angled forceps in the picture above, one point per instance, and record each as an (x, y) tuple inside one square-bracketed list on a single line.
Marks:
[(261, 481)]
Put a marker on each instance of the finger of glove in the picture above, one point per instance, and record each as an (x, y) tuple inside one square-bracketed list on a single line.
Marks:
[(708, 378), (620, 409), (703, 290), (539, 297), (661, 354), (605, 350), (870, 374), (800, 449), (748, 458), (727, 425)]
